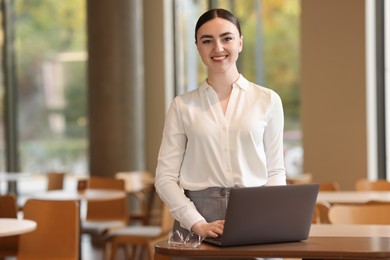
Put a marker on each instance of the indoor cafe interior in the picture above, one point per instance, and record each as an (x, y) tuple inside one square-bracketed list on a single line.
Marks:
[(86, 85)]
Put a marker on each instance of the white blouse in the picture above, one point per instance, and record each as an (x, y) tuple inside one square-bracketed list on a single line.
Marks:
[(201, 147)]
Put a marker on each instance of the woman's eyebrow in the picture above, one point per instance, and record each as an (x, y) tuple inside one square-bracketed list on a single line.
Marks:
[(205, 36), (210, 36), (225, 33)]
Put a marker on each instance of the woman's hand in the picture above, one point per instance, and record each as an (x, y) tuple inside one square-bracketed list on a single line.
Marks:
[(213, 229)]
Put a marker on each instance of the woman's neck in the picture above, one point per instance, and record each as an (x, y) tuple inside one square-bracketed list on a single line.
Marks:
[(222, 82)]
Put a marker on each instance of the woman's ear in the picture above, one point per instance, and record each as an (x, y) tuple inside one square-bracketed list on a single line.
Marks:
[(196, 44), (241, 43)]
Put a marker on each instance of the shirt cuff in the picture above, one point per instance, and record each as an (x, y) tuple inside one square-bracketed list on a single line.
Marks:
[(190, 218)]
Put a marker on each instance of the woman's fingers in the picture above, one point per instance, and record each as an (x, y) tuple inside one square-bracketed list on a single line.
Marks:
[(216, 227)]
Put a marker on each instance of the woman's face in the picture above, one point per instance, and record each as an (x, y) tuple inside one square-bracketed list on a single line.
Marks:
[(219, 43)]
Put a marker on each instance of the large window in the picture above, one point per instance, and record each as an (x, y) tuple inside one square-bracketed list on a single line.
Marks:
[(50, 42), (270, 56), (47, 43)]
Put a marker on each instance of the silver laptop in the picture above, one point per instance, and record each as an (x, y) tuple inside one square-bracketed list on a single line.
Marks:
[(268, 214)]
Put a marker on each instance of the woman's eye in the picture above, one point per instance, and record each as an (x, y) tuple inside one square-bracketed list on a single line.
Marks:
[(206, 41), (228, 39)]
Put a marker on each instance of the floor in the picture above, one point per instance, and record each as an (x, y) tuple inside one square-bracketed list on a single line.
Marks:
[(90, 252)]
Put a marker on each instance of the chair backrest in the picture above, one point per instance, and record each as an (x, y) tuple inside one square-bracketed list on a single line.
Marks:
[(108, 183), (378, 214), (55, 180), (321, 213), (58, 230), (8, 209), (300, 179), (367, 185), (8, 206), (115, 209), (329, 186)]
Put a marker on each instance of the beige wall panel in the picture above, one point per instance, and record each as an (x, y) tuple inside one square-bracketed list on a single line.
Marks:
[(156, 73), (333, 90), (116, 87)]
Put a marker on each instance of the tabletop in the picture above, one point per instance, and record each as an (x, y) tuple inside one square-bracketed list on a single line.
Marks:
[(14, 176), (14, 226), (89, 195), (353, 196), (324, 242), (345, 230)]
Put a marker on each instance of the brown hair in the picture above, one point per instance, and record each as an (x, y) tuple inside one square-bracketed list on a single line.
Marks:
[(216, 13)]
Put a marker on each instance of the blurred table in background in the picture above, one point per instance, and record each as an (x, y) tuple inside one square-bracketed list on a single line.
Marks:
[(14, 226), (12, 177), (88, 195), (354, 197)]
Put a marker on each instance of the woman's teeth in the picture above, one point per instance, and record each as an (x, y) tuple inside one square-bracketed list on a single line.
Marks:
[(219, 58)]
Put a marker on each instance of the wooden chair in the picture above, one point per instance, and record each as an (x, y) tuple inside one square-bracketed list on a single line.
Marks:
[(8, 206), (321, 210), (367, 185), (329, 186), (55, 180), (321, 213), (144, 236), (8, 209), (360, 214), (300, 179), (102, 216), (58, 230), (139, 185)]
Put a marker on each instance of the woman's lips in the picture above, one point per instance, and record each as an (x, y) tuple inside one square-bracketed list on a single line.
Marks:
[(218, 58)]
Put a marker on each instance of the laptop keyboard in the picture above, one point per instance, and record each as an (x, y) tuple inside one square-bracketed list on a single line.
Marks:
[(214, 240)]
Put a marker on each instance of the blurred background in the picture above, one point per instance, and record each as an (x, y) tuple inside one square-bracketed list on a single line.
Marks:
[(85, 84)]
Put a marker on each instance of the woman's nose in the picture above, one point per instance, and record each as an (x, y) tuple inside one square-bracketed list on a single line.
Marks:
[(218, 47)]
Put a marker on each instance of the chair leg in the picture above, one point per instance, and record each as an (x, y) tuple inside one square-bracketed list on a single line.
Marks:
[(106, 251), (113, 250), (150, 249), (130, 251), (138, 253)]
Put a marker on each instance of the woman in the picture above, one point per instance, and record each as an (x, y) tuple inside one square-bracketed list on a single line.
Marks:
[(228, 132)]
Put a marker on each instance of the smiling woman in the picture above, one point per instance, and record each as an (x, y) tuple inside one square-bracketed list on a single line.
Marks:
[(270, 55), (226, 133)]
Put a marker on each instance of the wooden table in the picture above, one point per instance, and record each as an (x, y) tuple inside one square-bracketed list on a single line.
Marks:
[(324, 242), (14, 226), (356, 197)]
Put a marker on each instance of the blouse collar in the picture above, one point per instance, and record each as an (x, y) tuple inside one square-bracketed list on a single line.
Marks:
[(241, 82)]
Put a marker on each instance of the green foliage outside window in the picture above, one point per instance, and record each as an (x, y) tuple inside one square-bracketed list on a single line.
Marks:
[(50, 47)]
